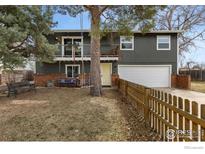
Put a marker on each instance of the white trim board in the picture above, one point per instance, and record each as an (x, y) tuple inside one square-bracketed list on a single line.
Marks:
[(88, 30), (178, 54), (85, 58)]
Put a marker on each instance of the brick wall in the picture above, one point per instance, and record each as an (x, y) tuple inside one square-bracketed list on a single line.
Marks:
[(85, 80), (174, 81), (115, 78), (42, 79), (181, 81)]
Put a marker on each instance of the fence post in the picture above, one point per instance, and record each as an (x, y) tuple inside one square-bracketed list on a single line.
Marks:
[(126, 86), (180, 118), (118, 84), (187, 121), (202, 117), (146, 107), (195, 129)]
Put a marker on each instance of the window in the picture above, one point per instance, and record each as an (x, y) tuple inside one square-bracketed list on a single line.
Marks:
[(163, 42), (72, 46), (72, 71), (126, 42), (68, 47)]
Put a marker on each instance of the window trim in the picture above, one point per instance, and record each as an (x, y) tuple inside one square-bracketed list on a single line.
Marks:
[(169, 48), (127, 42), (71, 37), (66, 69)]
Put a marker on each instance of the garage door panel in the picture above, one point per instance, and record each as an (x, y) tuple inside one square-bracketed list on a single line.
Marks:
[(151, 76)]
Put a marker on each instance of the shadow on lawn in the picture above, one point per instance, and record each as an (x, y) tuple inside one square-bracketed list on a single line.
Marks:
[(64, 115)]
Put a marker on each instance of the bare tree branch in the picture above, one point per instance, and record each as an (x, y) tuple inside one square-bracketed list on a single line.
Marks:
[(103, 9), (12, 47), (190, 19)]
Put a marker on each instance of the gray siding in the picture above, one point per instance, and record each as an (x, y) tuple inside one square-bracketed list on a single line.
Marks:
[(45, 68), (145, 50)]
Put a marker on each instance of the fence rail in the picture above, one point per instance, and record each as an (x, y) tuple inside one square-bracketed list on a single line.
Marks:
[(173, 118), (196, 74)]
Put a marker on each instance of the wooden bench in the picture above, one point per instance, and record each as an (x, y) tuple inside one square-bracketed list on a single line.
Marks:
[(18, 87)]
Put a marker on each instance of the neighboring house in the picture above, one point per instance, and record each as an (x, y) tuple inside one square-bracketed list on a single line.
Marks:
[(18, 74), (148, 59)]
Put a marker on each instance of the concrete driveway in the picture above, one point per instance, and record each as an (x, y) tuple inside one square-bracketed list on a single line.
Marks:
[(186, 94)]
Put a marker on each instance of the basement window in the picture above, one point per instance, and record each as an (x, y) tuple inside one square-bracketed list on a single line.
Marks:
[(163, 42), (126, 42)]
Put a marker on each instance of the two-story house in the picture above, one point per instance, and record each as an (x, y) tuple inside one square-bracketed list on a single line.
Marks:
[(148, 59)]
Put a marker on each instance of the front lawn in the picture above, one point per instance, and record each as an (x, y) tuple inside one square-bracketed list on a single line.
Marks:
[(61, 114), (198, 86), (69, 114)]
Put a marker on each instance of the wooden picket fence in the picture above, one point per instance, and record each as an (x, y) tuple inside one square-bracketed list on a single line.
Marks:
[(173, 118)]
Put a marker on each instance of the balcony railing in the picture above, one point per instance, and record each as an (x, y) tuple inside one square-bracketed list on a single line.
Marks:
[(78, 51)]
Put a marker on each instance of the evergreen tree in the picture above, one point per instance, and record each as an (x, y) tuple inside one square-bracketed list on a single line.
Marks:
[(23, 31)]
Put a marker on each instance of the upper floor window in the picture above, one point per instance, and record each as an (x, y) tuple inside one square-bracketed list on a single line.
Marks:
[(163, 42), (126, 42), (72, 46)]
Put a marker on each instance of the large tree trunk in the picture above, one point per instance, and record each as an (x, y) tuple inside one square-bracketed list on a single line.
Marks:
[(96, 87)]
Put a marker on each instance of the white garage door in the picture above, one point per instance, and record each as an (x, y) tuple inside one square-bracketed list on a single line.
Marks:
[(148, 75)]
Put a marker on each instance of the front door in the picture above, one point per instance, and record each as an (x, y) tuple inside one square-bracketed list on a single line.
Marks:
[(106, 71)]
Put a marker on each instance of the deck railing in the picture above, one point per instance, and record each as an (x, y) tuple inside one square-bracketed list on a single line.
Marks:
[(173, 118), (70, 50)]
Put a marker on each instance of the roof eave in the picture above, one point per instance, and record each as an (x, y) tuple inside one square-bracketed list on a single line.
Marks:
[(87, 30)]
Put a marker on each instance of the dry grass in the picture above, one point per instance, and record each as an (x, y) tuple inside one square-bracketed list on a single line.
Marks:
[(63, 114), (198, 86)]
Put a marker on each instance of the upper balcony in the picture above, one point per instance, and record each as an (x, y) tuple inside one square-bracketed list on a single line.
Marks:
[(78, 52)]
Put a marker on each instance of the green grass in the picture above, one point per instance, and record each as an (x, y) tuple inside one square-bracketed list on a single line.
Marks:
[(198, 86)]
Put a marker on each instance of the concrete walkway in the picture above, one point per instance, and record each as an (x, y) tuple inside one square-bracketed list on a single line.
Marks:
[(186, 94)]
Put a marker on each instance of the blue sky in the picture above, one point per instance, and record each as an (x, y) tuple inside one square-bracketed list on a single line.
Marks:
[(197, 54), (67, 22)]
